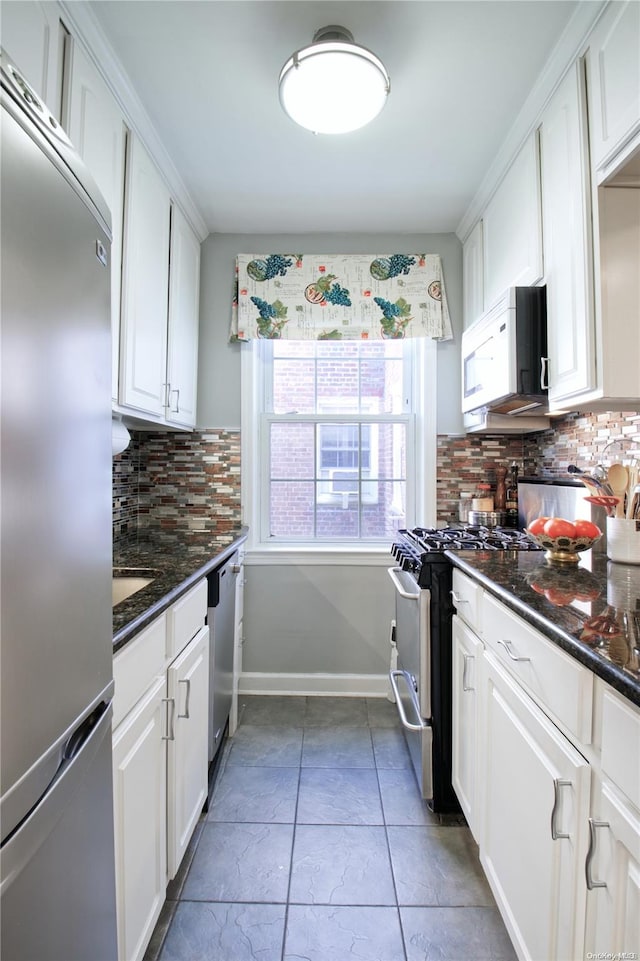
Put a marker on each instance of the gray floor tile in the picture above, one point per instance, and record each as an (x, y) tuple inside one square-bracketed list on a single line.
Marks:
[(343, 934), (437, 866), (266, 794), (259, 746), (328, 711), (272, 710), (241, 862), (337, 747), (402, 802), (334, 796), (390, 748), (225, 932), (455, 934), (382, 713), (345, 864)]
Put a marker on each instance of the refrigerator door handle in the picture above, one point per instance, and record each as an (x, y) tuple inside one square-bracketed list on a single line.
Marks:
[(21, 845)]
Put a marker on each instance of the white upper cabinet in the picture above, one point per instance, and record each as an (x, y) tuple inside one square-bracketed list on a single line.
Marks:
[(512, 230), (182, 334), (473, 276), (33, 37), (95, 124), (145, 285), (614, 82), (566, 215)]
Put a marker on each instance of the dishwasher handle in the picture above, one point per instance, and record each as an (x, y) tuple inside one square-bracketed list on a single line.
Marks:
[(393, 574)]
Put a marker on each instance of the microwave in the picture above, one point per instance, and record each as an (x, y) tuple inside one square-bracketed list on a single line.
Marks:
[(504, 356)]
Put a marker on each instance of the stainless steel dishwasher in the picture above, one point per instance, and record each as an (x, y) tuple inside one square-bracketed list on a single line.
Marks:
[(221, 619)]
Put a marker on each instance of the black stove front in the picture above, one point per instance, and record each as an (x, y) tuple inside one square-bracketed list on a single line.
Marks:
[(421, 553)]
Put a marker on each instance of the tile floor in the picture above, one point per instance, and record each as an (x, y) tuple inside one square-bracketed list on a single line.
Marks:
[(317, 847)]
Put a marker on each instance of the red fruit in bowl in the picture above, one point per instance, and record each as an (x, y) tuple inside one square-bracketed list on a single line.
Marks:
[(558, 527), (537, 526), (586, 529)]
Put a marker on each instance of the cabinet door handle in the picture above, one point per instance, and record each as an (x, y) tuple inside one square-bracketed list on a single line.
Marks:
[(593, 824), (544, 373), (557, 784), (457, 599), (508, 648), (171, 735), (176, 409), (187, 697), (465, 686)]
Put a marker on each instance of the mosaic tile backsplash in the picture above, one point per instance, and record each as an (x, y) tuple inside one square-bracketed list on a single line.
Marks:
[(192, 481), (578, 439), (177, 481)]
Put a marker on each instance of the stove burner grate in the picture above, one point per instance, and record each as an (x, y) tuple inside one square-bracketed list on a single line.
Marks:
[(420, 545)]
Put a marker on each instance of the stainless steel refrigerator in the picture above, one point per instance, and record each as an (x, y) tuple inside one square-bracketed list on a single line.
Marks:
[(56, 805)]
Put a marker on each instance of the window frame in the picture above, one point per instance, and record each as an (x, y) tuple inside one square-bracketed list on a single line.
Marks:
[(420, 418)]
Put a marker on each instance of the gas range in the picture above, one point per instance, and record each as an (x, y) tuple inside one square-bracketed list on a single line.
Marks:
[(422, 681), (413, 549)]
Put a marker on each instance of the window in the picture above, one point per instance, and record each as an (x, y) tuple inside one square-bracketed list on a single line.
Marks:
[(333, 427)]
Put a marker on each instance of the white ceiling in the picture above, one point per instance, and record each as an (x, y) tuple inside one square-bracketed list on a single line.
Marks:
[(206, 73)]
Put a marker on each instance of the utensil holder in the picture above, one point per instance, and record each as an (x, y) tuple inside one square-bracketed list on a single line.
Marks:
[(623, 540)]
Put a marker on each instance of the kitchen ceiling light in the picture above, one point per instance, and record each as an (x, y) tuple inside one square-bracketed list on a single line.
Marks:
[(334, 85)]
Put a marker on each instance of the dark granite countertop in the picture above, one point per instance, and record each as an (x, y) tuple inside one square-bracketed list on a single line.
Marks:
[(180, 558), (590, 610)]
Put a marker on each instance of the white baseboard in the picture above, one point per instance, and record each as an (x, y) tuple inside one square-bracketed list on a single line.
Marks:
[(327, 685)]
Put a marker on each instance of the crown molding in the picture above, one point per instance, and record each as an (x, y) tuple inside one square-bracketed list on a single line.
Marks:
[(570, 45), (84, 26)]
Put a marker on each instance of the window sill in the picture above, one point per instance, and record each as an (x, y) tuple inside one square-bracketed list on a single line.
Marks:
[(348, 555)]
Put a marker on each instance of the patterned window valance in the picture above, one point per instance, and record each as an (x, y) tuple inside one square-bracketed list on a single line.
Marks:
[(340, 296)]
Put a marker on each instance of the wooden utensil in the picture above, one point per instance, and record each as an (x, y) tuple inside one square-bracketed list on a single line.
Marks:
[(618, 477), (631, 486)]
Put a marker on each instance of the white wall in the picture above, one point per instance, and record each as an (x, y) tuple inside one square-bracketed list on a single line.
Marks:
[(219, 366), (319, 628)]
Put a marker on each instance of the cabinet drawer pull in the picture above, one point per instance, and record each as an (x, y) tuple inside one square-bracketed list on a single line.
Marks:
[(457, 599), (557, 784), (187, 697), (465, 686), (593, 824), (171, 735), (514, 657)]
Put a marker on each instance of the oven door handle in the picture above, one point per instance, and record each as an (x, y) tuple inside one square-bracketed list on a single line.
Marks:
[(422, 724), (393, 574)]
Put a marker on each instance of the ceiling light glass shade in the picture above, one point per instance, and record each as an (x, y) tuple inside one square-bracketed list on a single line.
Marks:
[(333, 85)]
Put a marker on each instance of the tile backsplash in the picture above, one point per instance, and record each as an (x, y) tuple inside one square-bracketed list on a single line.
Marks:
[(177, 481), (576, 439), (191, 481)]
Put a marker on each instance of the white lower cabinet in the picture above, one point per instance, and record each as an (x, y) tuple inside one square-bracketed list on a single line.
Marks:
[(546, 766), (160, 760), (187, 749), (533, 838), (613, 877), (140, 813), (467, 651)]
